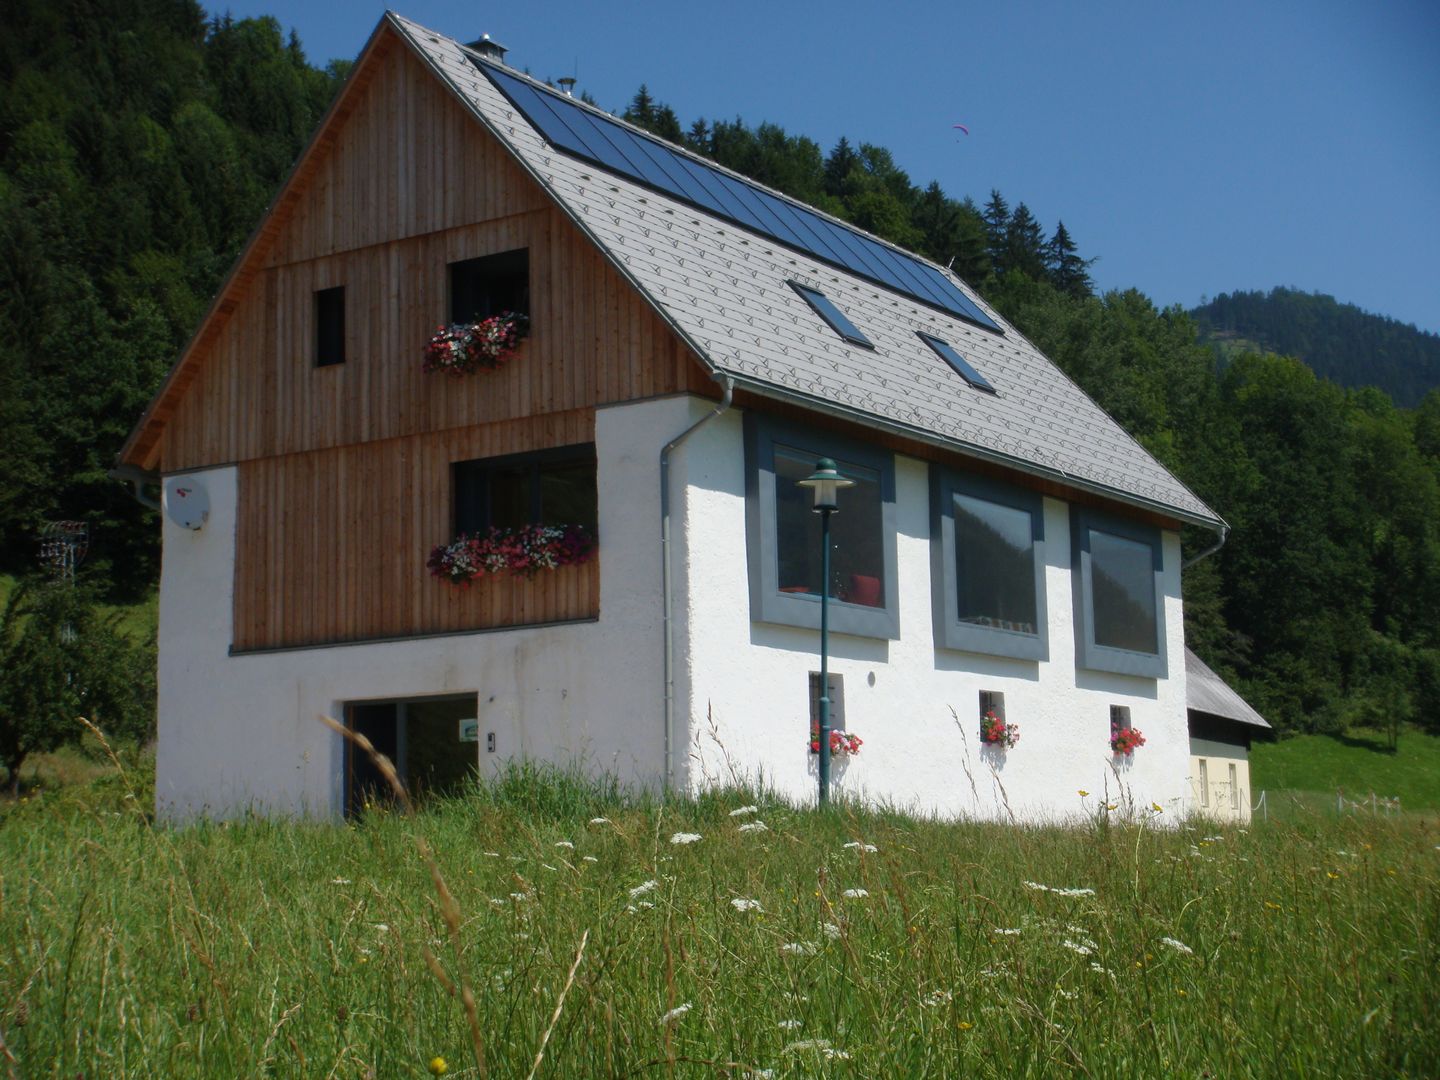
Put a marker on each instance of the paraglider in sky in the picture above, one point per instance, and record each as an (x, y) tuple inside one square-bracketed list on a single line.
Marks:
[(963, 128)]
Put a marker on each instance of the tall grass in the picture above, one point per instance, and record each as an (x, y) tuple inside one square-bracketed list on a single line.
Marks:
[(875, 944)]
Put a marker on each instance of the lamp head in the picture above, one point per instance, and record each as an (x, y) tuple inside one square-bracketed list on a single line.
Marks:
[(826, 482)]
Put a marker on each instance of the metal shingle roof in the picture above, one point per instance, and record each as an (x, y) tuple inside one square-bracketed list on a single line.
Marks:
[(726, 291), (1206, 692)]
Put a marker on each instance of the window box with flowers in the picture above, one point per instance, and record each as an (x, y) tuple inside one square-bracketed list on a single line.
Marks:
[(522, 552), (465, 348), (996, 732), (1125, 740), (842, 743)]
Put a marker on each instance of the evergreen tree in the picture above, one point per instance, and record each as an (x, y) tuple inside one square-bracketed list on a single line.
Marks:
[(1066, 270), (641, 110), (1024, 244), (838, 166), (997, 228)]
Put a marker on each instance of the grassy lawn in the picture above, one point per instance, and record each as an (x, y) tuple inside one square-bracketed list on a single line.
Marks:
[(1358, 764), (139, 620), (768, 942)]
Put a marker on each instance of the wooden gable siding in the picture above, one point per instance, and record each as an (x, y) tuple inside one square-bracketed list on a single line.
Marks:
[(331, 544), (412, 184)]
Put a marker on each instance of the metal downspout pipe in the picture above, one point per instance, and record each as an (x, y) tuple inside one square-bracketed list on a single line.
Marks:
[(667, 572), (1222, 533)]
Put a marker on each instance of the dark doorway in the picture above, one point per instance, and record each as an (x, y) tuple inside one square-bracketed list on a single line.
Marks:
[(433, 752)]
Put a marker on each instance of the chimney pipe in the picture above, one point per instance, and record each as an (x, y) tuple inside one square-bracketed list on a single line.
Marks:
[(489, 49)]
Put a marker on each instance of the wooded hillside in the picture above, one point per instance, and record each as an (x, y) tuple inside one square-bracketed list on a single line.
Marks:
[(139, 145)]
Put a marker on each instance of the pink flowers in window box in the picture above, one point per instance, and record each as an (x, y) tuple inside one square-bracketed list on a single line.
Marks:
[(1124, 740), (842, 743), (522, 552), (465, 348), (995, 732)]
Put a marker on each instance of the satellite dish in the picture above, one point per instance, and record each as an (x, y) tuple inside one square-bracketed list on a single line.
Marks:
[(186, 501)]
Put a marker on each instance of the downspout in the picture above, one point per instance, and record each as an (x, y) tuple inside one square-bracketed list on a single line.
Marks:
[(1221, 533), (668, 585), (138, 479)]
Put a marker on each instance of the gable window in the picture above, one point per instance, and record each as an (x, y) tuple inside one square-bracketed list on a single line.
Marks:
[(833, 316), (330, 326), (783, 531), (987, 552), (1117, 572), (546, 487), (963, 367), (490, 285)]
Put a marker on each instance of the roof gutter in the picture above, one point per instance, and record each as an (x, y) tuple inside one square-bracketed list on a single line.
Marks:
[(138, 479), (764, 389), (668, 573), (1222, 534)]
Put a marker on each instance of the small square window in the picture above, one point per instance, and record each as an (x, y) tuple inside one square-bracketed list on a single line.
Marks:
[(547, 487), (330, 326), (1120, 718), (1118, 579), (833, 316), (490, 285), (988, 566), (784, 533)]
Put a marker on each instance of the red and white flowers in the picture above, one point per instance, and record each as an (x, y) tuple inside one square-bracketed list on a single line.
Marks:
[(842, 743), (522, 552), (1124, 740), (996, 732), (465, 348)]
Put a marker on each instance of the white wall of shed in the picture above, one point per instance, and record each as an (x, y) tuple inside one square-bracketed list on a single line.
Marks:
[(240, 732), (745, 684)]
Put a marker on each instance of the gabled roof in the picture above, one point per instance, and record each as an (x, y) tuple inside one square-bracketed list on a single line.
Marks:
[(726, 290), (1206, 692)]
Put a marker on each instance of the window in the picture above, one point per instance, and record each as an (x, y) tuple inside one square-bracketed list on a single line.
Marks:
[(826, 309), (1204, 782), (424, 738), (962, 366), (1234, 788), (489, 285), (783, 532), (330, 326), (1117, 573), (1120, 718), (987, 546), (547, 487), (837, 701)]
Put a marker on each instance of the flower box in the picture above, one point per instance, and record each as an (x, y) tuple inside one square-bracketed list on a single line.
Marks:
[(465, 348), (522, 552)]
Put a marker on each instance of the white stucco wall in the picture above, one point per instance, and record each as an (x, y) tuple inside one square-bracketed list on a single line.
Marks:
[(752, 678), (239, 732)]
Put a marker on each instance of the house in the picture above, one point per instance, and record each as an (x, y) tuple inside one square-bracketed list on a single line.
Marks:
[(1222, 725), (696, 343)]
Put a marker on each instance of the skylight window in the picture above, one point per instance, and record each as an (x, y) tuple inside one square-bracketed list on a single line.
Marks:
[(826, 309), (962, 366)]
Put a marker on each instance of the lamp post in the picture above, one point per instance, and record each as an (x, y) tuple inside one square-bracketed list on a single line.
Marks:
[(826, 483)]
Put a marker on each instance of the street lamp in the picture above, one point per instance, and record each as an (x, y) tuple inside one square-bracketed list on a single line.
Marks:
[(826, 483)]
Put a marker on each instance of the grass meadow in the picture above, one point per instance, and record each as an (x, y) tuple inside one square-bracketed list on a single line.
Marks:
[(605, 935)]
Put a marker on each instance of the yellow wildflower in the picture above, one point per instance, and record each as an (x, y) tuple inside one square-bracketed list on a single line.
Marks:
[(1084, 794), (965, 1025), (438, 1066)]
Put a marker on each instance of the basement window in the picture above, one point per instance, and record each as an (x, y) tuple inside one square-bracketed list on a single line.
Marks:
[(1117, 573), (833, 316), (987, 552), (545, 487), (330, 326), (490, 285), (962, 367)]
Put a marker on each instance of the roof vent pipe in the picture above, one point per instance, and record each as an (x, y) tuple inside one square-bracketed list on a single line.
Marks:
[(568, 85), (490, 50)]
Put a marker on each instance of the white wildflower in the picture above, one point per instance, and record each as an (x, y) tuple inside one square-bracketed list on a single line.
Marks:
[(742, 811), (820, 1046), (1058, 891), (855, 894), (832, 931), (588, 858), (789, 1025), (936, 998), (800, 948), (340, 881), (380, 927), (565, 844), (1006, 931), (519, 897), (790, 995), (1178, 946), (1101, 970), (1077, 947), (493, 854), (862, 847), (1212, 839), (547, 866), (1068, 995), (754, 826), (744, 903), (675, 1013), (599, 821), (643, 888), (685, 838), (495, 901)]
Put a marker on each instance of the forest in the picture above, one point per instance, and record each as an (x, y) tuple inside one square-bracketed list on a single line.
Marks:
[(140, 142)]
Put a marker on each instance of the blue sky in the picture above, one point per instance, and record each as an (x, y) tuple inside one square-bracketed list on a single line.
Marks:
[(1196, 149)]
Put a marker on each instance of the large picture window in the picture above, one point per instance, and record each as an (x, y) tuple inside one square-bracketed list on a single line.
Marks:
[(784, 532), (1119, 599), (988, 566), (547, 487)]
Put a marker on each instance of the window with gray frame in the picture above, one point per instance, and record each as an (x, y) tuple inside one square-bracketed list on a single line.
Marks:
[(1118, 570), (783, 531), (987, 546)]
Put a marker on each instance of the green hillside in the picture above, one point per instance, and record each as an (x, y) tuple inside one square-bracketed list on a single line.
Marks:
[(1357, 764), (1338, 341)]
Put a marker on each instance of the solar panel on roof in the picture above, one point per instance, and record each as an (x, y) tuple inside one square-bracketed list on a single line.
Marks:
[(956, 361), (579, 131)]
